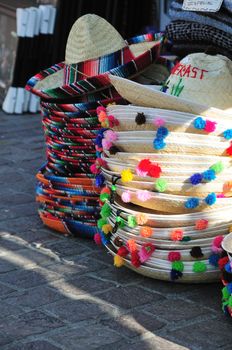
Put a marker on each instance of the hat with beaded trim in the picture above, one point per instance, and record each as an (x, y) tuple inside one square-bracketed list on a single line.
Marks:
[(95, 49)]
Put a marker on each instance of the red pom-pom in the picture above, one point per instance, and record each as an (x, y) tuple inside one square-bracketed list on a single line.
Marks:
[(229, 150), (135, 261), (217, 241), (144, 165), (97, 238), (105, 190), (174, 256), (154, 170), (222, 262), (123, 252)]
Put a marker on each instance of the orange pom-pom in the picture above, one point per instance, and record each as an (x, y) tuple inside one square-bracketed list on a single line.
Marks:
[(177, 235), (102, 116), (132, 246), (146, 232)]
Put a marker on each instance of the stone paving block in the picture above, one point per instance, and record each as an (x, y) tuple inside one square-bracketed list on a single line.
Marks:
[(82, 285), (21, 210), (5, 290), (92, 337), (134, 324), (6, 266), (129, 297), (73, 310), (152, 343), (15, 198), (33, 298), (34, 345), (5, 339), (66, 247), (122, 276), (21, 223), (28, 278), (174, 310), (9, 310), (209, 295), (30, 323), (209, 334)]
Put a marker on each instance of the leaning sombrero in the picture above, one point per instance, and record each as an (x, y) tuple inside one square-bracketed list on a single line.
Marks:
[(95, 49), (210, 94)]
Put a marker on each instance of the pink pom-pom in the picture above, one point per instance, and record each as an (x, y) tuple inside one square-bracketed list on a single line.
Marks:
[(100, 109), (210, 126), (110, 135), (159, 122), (216, 250), (221, 195), (143, 195), (146, 251), (97, 238), (94, 169), (106, 144), (113, 121), (218, 241), (174, 256), (126, 197)]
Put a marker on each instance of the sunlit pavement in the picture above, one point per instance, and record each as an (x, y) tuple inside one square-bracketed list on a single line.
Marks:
[(63, 293)]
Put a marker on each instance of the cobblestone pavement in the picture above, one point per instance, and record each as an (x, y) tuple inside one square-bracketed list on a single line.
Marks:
[(63, 293)]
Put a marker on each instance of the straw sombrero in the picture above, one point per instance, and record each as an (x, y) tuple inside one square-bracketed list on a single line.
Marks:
[(180, 247), (94, 48), (209, 94)]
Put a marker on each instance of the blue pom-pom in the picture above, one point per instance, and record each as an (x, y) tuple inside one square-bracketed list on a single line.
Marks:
[(99, 180), (159, 143), (98, 154), (209, 175), (213, 259), (101, 131), (175, 274), (199, 123), (211, 199), (227, 134), (227, 267), (195, 179), (98, 140), (191, 203), (104, 239), (229, 287), (162, 132)]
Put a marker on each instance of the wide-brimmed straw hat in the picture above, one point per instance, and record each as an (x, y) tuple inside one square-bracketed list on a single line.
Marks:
[(94, 48), (210, 94), (180, 247)]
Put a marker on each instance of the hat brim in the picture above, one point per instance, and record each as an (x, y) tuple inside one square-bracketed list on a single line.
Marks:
[(49, 82), (144, 96)]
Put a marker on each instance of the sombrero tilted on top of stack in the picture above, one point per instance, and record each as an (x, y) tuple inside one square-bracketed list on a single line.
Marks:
[(168, 172)]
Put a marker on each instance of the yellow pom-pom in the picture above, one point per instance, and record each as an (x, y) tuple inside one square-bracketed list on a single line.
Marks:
[(118, 261), (126, 175), (107, 228)]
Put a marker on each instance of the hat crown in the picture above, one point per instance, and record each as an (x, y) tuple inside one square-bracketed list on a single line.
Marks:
[(202, 78), (91, 37)]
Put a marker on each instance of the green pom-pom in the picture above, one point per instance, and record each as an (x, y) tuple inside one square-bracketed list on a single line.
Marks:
[(161, 185), (101, 222), (178, 265), (225, 294), (131, 221), (120, 221), (230, 301), (199, 266), (217, 167), (104, 197), (105, 211), (186, 239), (113, 188)]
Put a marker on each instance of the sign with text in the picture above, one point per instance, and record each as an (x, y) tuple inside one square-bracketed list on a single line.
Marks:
[(202, 5)]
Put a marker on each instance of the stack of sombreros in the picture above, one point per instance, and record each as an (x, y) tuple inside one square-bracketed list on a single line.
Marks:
[(226, 273), (70, 92), (168, 168)]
